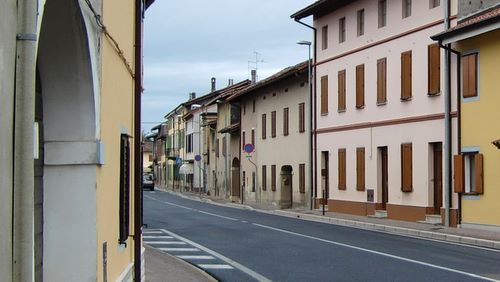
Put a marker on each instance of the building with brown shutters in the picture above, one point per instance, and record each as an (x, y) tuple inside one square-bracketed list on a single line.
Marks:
[(380, 105), (476, 41), (275, 120)]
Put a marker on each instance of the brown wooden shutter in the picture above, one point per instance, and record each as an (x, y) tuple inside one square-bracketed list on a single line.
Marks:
[(324, 94), (341, 90), (360, 169), (263, 126), (406, 168), (217, 147), (469, 75), (243, 140), (360, 86), (381, 81), (434, 69), (273, 177), (264, 178), (302, 178), (302, 123), (342, 169), (253, 137), (478, 162), (459, 173), (406, 75), (285, 122), (273, 124)]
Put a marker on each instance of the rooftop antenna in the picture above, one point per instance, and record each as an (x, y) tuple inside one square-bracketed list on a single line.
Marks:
[(254, 65)]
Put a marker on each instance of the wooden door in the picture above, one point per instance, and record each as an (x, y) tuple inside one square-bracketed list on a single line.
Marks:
[(384, 176), (438, 177)]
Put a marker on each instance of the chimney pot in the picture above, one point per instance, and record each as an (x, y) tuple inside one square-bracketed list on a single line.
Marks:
[(213, 84), (254, 76)]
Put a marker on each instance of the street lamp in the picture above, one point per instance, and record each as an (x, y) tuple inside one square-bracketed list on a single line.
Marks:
[(308, 44)]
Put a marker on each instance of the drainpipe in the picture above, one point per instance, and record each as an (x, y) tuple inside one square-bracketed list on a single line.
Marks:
[(312, 125), (139, 9), (24, 118), (447, 121)]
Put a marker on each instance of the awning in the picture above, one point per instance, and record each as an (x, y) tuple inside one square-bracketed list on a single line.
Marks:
[(186, 169)]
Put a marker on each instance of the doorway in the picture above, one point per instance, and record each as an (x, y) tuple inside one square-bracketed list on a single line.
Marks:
[(437, 171), (38, 197), (325, 182), (235, 178), (384, 176), (286, 189)]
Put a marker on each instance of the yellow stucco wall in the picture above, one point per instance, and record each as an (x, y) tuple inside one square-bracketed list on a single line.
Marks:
[(481, 125), (117, 94)]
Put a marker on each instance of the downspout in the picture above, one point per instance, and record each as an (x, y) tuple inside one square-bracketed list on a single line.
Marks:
[(139, 6), (24, 118), (312, 125), (447, 120)]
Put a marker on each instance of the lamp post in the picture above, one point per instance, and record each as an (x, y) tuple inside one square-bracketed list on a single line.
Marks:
[(309, 80)]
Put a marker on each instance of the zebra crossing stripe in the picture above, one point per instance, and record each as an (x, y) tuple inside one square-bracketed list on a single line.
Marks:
[(215, 266), (195, 257), (179, 249), (157, 237), (166, 243)]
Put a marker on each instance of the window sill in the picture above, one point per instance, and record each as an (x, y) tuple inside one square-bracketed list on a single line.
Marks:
[(406, 99), (437, 94), (471, 194), (341, 111), (382, 103), (324, 114), (360, 107)]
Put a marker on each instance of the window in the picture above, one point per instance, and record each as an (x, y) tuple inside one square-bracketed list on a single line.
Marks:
[(244, 182), (360, 86), (433, 69), (324, 94), (244, 108), (285, 122), (224, 146), (341, 30), (433, 3), (381, 81), (341, 91), (302, 178), (273, 124), (406, 167), (273, 177), (406, 8), (189, 142), (243, 139), (254, 179), (253, 105), (342, 169), (302, 117), (469, 75), (360, 169), (124, 212), (253, 137), (468, 171), (361, 22), (263, 126), (264, 178), (382, 13), (217, 147), (324, 37), (406, 75)]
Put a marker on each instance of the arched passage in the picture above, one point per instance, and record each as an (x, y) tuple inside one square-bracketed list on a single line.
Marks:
[(71, 152), (286, 190)]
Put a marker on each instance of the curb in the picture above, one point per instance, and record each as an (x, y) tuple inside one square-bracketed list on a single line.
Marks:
[(492, 244)]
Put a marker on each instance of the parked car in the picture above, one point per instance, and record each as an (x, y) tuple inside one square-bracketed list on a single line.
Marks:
[(148, 182)]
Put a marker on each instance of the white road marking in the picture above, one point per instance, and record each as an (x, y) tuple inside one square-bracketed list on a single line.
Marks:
[(233, 263), (196, 257), (179, 249), (165, 243), (157, 237), (221, 216), (215, 266), (168, 203), (151, 232), (378, 253)]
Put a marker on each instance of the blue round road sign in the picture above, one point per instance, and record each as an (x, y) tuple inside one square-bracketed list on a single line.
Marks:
[(197, 158), (248, 148)]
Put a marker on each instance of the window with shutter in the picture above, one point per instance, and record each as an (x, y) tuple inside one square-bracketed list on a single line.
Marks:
[(469, 75), (341, 30), (263, 126), (324, 37), (342, 169), (254, 180), (302, 178), (302, 116), (406, 167), (468, 172), (217, 147), (253, 137), (341, 91), (324, 94), (382, 13), (360, 86), (264, 178), (458, 173), (361, 22), (273, 124), (124, 206), (360, 169), (243, 139), (381, 81), (406, 84), (434, 69), (285, 122), (273, 177)]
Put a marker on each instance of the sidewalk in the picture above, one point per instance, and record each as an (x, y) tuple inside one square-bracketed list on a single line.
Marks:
[(162, 267), (468, 236)]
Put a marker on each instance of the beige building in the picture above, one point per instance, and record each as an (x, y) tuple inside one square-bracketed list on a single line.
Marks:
[(275, 120)]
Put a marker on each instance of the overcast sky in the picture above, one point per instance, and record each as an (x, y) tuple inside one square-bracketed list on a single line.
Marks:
[(186, 42)]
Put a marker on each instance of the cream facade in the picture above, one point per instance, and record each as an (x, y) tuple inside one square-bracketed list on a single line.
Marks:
[(378, 151)]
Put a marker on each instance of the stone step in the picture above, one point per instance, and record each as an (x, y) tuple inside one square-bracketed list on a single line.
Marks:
[(379, 214), (434, 219)]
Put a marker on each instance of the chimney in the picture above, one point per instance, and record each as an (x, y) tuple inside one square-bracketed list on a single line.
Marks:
[(254, 76), (213, 84), (230, 82), (192, 95)]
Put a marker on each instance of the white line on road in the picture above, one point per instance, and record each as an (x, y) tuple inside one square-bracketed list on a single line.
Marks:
[(165, 243), (377, 253), (235, 264), (168, 203), (196, 257), (179, 249), (215, 266), (151, 232), (157, 237), (221, 216)]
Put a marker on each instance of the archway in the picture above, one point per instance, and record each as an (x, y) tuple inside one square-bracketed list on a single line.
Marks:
[(286, 190), (235, 178)]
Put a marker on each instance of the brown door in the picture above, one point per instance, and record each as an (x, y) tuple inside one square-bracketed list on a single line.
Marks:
[(325, 178), (384, 177), (438, 177)]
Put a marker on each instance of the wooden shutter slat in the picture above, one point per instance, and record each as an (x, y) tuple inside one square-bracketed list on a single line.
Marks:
[(381, 81), (459, 173), (406, 167), (434, 61), (341, 90), (324, 94), (360, 169), (478, 162), (342, 169), (360, 86), (406, 75)]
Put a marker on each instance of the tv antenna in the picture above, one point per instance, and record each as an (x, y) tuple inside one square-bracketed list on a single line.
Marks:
[(254, 65)]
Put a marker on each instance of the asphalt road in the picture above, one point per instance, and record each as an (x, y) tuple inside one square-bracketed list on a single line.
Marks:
[(247, 245)]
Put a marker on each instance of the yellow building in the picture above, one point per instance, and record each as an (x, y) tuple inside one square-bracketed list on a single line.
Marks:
[(70, 209), (476, 41)]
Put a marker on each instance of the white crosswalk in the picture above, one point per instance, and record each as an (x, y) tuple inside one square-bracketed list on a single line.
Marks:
[(175, 246)]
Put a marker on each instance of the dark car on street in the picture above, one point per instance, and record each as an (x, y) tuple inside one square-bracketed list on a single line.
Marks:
[(148, 182)]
